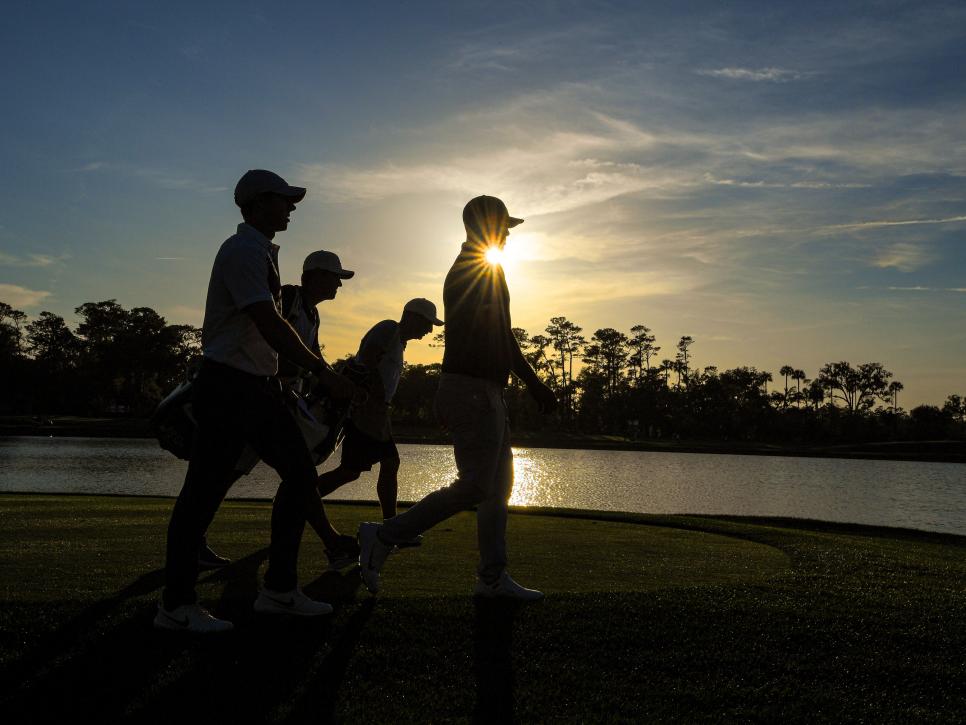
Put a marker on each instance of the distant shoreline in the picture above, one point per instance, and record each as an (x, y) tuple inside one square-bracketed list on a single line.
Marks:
[(946, 451)]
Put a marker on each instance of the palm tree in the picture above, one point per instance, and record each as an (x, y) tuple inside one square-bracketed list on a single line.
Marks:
[(894, 387), (785, 371), (799, 377)]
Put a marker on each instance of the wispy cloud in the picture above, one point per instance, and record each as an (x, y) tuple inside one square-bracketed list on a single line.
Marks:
[(897, 223), (802, 184), (918, 288), (184, 315), (484, 52), (30, 260), (773, 75), (167, 180), (160, 177), (17, 296), (903, 256), (87, 168), (544, 171)]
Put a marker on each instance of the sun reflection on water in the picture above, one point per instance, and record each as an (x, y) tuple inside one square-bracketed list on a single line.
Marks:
[(530, 479)]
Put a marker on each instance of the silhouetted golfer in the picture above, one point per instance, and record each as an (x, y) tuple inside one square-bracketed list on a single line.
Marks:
[(368, 432), (236, 402), (322, 276), (480, 353)]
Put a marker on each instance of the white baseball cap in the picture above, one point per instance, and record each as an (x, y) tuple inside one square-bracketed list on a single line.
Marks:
[(327, 261), (423, 308), (259, 181)]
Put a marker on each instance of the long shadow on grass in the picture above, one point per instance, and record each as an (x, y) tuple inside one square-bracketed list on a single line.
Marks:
[(70, 639), (316, 702), (107, 664), (104, 660), (493, 659)]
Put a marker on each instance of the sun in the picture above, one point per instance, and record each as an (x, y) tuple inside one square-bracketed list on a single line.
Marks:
[(517, 249), (495, 256)]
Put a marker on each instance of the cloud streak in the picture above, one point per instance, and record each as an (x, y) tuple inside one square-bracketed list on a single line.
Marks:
[(903, 256), (544, 173), (161, 178), (918, 288), (757, 75), (30, 260), (897, 223), (17, 296)]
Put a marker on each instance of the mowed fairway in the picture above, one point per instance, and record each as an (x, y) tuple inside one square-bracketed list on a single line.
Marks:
[(669, 618)]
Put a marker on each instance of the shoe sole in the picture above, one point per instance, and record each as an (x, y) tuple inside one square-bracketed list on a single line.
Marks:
[(165, 626), (277, 609), (365, 556), (210, 565), (512, 597)]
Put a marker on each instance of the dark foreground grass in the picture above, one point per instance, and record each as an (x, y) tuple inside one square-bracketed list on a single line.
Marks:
[(647, 618)]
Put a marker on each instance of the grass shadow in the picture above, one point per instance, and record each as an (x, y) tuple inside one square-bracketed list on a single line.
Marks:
[(493, 659), (107, 663)]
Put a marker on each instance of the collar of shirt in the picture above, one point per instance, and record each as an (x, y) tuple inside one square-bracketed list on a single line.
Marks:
[(249, 231)]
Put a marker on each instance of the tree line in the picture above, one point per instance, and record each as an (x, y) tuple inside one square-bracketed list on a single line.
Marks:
[(119, 361), (114, 361)]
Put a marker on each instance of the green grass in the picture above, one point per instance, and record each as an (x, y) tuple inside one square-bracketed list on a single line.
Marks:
[(661, 618)]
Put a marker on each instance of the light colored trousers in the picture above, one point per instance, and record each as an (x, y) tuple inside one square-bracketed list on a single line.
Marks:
[(475, 414)]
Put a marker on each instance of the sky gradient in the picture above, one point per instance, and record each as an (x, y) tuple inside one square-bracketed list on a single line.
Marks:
[(785, 182)]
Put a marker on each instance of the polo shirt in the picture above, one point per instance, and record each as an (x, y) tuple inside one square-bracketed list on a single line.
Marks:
[(303, 317), (476, 301), (384, 337), (245, 271)]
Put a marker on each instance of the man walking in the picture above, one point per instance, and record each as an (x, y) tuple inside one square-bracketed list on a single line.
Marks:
[(236, 403), (368, 432), (322, 277), (480, 353)]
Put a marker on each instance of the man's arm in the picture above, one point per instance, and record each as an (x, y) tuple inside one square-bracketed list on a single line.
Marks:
[(546, 400), (286, 342)]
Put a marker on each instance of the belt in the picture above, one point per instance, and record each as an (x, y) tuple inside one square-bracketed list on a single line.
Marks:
[(218, 368)]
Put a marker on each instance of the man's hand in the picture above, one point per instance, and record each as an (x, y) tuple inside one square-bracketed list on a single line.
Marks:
[(340, 387), (545, 397)]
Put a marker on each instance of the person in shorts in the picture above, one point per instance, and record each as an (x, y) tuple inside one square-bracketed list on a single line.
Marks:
[(368, 432)]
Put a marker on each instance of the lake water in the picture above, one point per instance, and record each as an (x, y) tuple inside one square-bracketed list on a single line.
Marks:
[(929, 496)]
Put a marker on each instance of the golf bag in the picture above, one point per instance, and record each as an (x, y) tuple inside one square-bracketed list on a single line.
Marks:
[(320, 418)]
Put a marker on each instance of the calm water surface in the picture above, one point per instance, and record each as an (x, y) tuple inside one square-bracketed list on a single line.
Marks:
[(928, 496)]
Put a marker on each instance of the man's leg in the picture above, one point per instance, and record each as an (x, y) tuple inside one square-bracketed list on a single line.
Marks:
[(318, 520), (476, 423), (476, 426), (491, 521), (335, 479), (491, 517), (278, 441), (210, 474), (387, 486)]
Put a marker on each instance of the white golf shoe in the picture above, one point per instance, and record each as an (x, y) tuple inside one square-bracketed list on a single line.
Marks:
[(506, 587), (190, 618), (372, 555), (293, 601)]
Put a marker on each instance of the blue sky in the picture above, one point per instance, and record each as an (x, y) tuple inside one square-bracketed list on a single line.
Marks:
[(785, 182)]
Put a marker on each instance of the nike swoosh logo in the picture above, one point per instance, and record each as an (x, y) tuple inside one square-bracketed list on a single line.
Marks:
[(179, 622), (289, 603)]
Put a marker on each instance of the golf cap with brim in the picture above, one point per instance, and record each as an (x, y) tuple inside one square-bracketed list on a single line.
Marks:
[(487, 208), (423, 308), (327, 262), (260, 181)]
